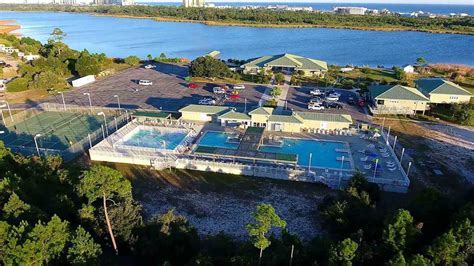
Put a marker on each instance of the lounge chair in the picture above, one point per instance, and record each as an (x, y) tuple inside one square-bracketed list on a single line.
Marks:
[(367, 166), (364, 159), (392, 169), (361, 151)]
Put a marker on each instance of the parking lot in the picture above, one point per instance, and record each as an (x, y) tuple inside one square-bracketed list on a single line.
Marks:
[(169, 91), (298, 98)]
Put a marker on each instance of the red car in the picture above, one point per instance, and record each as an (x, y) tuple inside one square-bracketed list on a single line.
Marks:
[(193, 86), (234, 96)]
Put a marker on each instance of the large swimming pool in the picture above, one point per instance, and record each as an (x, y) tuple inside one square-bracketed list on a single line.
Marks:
[(154, 137), (324, 154)]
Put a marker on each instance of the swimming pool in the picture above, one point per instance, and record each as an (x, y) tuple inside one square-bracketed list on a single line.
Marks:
[(324, 154), (154, 137)]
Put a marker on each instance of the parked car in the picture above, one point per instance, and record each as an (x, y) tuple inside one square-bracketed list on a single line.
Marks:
[(351, 101), (145, 82), (333, 105), (218, 90), (317, 107), (207, 101), (150, 66), (315, 100), (239, 87), (316, 92), (332, 98), (193, 86), (333, 92)]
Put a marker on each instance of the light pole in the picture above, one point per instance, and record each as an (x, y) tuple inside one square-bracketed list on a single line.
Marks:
[(388, 135), (3, 118), (105, 122), (90, 102), (9, 110), (342, 165), (408, 170), (401, 157), (394, 143), (375, 169), (118, 101), (309, 163), (36, 144), (64, 102)]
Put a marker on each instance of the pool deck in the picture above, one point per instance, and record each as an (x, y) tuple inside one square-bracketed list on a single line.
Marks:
[(357, 143)]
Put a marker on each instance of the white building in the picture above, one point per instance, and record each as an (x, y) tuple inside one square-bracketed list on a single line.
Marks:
[(350, 10), (409, 69), (31, 57), (194, 3)]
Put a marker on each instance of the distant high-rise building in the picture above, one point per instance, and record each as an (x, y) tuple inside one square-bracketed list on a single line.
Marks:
[(114, 2), (194, 3)]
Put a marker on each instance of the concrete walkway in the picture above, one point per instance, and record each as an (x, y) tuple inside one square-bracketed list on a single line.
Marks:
[(284, 92)]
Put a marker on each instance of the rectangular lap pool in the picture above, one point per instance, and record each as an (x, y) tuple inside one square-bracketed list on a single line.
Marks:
[(156, 138), (324, 154)]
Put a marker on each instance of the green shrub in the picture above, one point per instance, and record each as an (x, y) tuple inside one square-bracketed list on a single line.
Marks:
[(17, 85), (132, 60)]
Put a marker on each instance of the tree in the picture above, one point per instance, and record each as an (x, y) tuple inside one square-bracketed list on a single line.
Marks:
[(419, 260), (265, 218), (343, 253), (209, 67), (83, 249), (45, 242), (399, 231), (445, 249), (132, 60), (398, 260), (15, 206), (57, 35), (275, 92), (87, 64), (421, 61), (279, 78), (108, 184), (463, 113), (399, 73), (149, 57)]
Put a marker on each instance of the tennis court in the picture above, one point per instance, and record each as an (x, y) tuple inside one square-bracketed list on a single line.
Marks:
[(58, 130)]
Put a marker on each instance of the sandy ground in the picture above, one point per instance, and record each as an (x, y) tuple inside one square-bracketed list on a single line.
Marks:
[(215, 203), (438, 147)]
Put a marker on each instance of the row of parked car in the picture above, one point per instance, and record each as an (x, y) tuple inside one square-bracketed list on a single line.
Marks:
[(222, 93), (321, 100)]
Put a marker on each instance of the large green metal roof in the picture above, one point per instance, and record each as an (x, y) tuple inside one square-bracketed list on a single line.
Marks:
[(151, 114), (440, 86), (234, 115), (287, 60), (285, 119), (262, 111), (206, 109), (396, 92), (325, 117)]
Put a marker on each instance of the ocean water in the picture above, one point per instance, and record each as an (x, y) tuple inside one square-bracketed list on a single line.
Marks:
[(120, 37), (400, 8)]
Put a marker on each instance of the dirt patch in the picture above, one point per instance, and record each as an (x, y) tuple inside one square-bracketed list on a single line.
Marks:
[(217, 202), (446, 148)]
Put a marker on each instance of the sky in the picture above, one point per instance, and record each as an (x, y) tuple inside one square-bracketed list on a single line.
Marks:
[(446, 2)]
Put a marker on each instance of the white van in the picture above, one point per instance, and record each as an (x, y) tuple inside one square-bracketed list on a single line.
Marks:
[(145, 82)]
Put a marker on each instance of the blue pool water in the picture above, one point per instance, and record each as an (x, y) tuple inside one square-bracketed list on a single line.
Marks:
[(217, 139), (154, 138), (324, 154)]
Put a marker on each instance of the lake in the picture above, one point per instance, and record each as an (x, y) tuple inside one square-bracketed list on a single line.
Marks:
[(120, 37)]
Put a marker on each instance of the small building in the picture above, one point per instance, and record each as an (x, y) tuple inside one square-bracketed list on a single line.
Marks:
[(260, 116), (31, 57), (313, 120), (350, 10), (285, 123), (286, 63), (441, 91), (396, 99), (202, 113), (233, 118), (214, 54), (409, 69), (83, 81)]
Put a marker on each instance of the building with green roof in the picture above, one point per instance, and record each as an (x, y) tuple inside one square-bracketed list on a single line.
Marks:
[(441, 91), (286, 63), (202, 113), (396, 99), (233, 118)]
